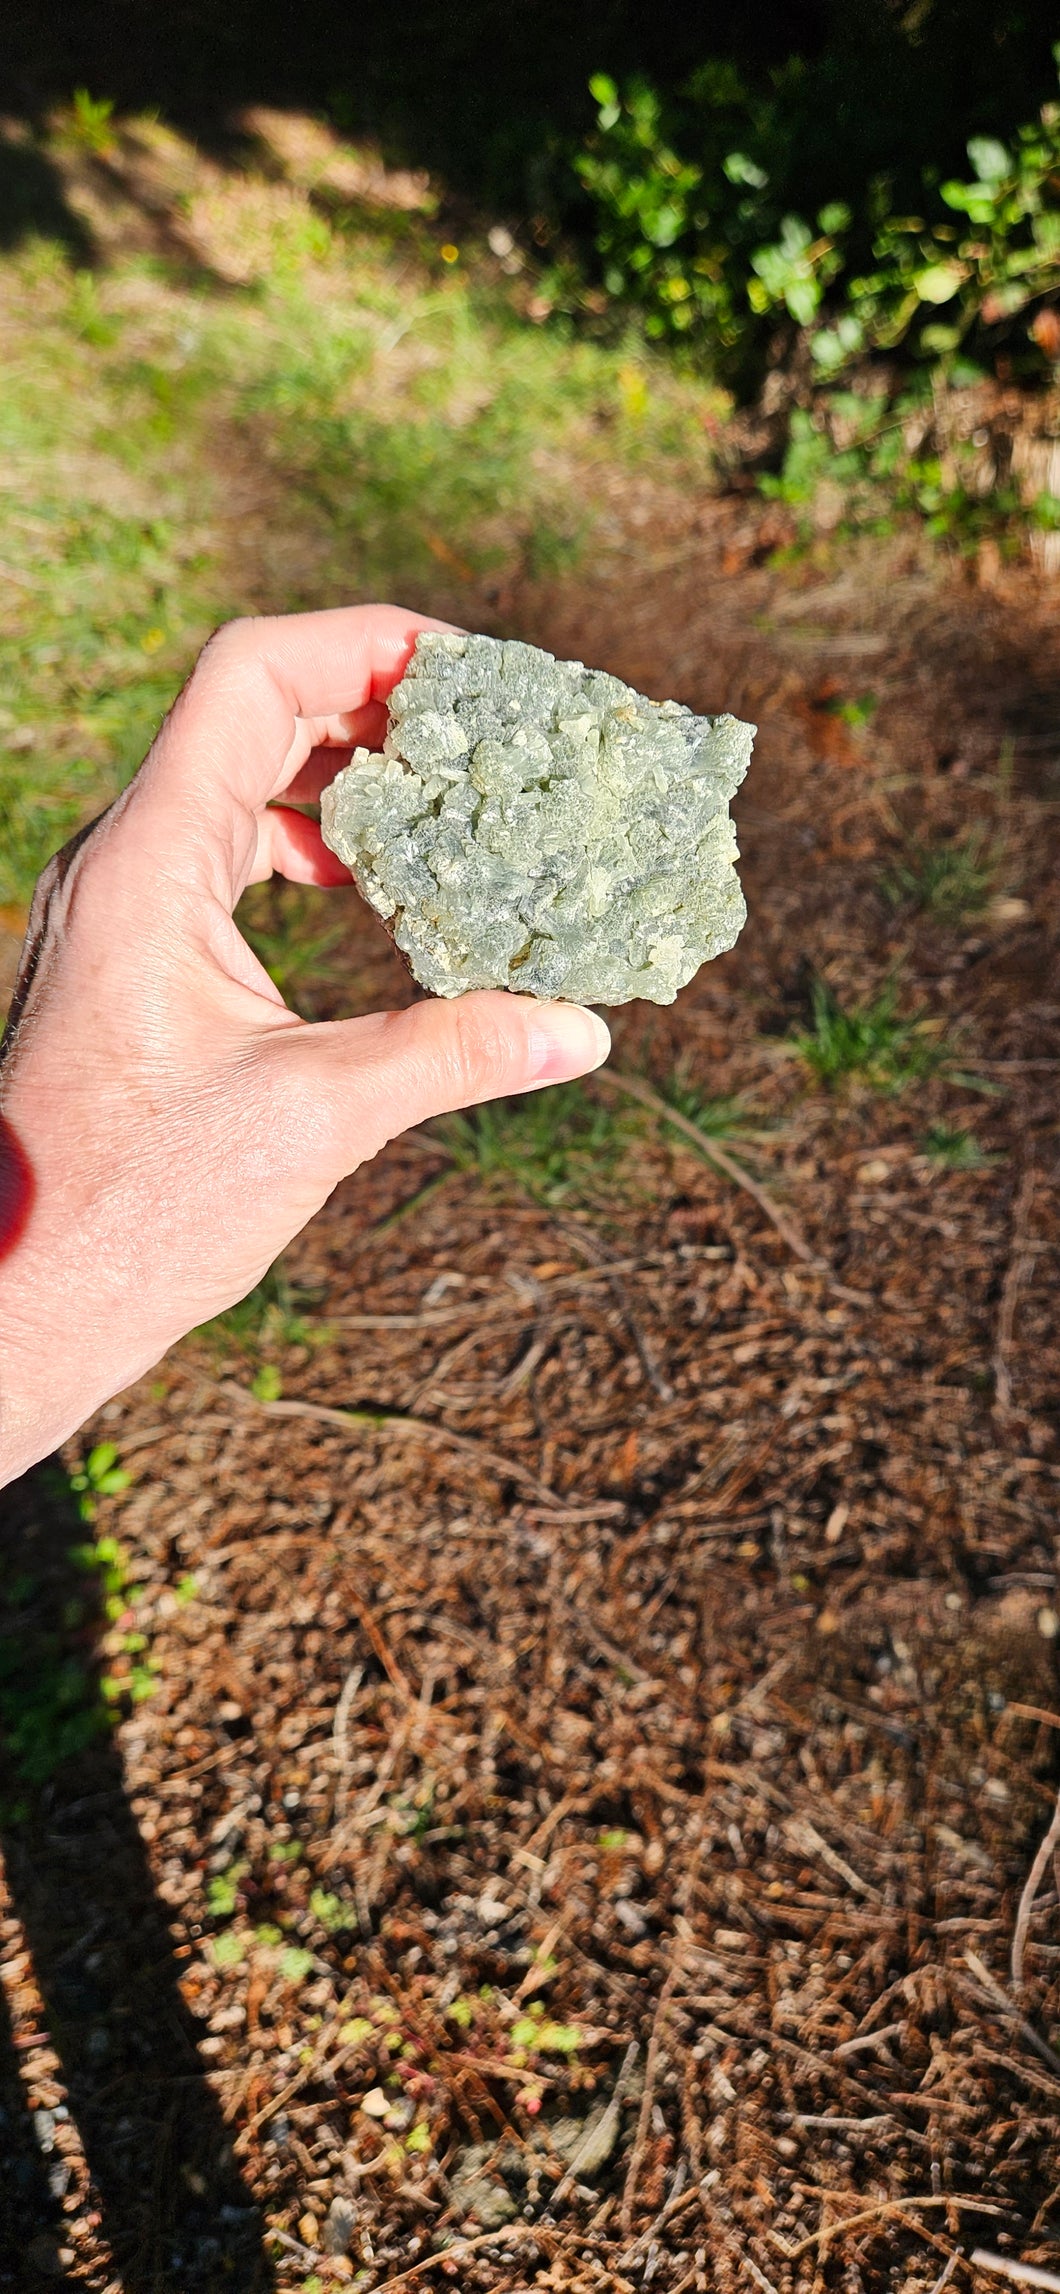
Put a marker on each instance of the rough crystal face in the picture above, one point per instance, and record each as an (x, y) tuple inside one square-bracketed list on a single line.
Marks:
[(536, 825)]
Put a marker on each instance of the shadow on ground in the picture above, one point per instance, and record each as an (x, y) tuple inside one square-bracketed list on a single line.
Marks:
[(33, 202), (175, 2212)]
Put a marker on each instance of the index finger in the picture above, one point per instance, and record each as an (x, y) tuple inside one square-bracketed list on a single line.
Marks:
[(249, 715)]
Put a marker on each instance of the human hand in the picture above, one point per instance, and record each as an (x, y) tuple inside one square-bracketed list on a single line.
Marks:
[(168, 1124)]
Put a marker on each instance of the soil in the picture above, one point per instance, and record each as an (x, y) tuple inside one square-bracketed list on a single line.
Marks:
[(577, 1833)]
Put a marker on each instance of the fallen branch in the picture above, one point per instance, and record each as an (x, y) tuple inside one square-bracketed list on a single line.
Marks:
[(634, 1088), (1031, 1886), (394, 1422)]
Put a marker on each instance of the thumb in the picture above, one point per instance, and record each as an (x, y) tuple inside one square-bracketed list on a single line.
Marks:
[(369, 1079)]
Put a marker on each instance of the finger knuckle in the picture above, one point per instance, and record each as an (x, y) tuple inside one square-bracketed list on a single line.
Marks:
[(235, 644)]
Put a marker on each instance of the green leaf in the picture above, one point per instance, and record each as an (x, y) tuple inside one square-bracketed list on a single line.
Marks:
[(221, 1895), (803, 298), (990, 159), (295, 1964), (330, 1910), (740, 169), (267, 1384), (100, 1460), (228, 1950), (833, 346), (937, 341), (559, 2038), (939, 282), (603, 88), (1006, 301), (835, 217), (664, 226), (356, 2031)]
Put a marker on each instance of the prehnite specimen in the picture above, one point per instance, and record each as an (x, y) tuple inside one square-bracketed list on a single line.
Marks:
[(536, 825)]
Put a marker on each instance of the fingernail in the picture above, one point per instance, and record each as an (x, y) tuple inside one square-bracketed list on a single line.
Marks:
[(566, 1040)]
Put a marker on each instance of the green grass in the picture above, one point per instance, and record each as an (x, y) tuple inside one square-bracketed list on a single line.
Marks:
[(955, 1150), (321, 410), (558, 1145), (719, 1118), (286, 926), (949, 880), (271, 1315), (868, 1043)]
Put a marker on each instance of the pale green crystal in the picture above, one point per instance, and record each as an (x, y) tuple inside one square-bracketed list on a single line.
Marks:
[(533, 824)]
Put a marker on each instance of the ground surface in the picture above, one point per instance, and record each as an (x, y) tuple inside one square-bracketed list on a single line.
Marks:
[(567, 1823)]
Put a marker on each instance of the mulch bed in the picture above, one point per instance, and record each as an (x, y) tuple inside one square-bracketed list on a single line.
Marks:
[(577, 1834)]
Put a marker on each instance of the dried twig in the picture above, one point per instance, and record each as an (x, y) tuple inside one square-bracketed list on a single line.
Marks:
[(885, 2206), (461, 2247), (395, 1422), (1031, 1886), (317, 2069), (805, 1837), (598, 2142), (1021, 1259), (715, 1153), (867, 2039), (497, 1311), (947, 2270), (662, 2010), (412, 1203), (591, 1248), (1007, 2008), (1020, 2273), (651, 2071), (340, 1736)]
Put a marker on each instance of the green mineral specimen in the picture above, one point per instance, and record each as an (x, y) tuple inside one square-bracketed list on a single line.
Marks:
[(536, 825)]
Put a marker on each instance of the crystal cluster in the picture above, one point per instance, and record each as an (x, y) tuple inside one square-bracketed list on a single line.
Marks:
[(536, 825)]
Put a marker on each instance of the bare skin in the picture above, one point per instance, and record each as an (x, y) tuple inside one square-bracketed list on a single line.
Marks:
[(167, 1124)]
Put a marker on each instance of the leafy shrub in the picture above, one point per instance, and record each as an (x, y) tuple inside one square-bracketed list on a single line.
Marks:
[(711, 250), (878, 457)]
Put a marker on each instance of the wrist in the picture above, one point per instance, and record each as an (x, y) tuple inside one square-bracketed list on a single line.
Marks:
[(66, 1336), (57, 1362)]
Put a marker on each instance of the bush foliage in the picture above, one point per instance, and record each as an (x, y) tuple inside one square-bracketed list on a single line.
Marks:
[(696, 224)]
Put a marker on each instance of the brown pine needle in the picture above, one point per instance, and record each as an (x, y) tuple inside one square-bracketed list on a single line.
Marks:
[(635, 1088)]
